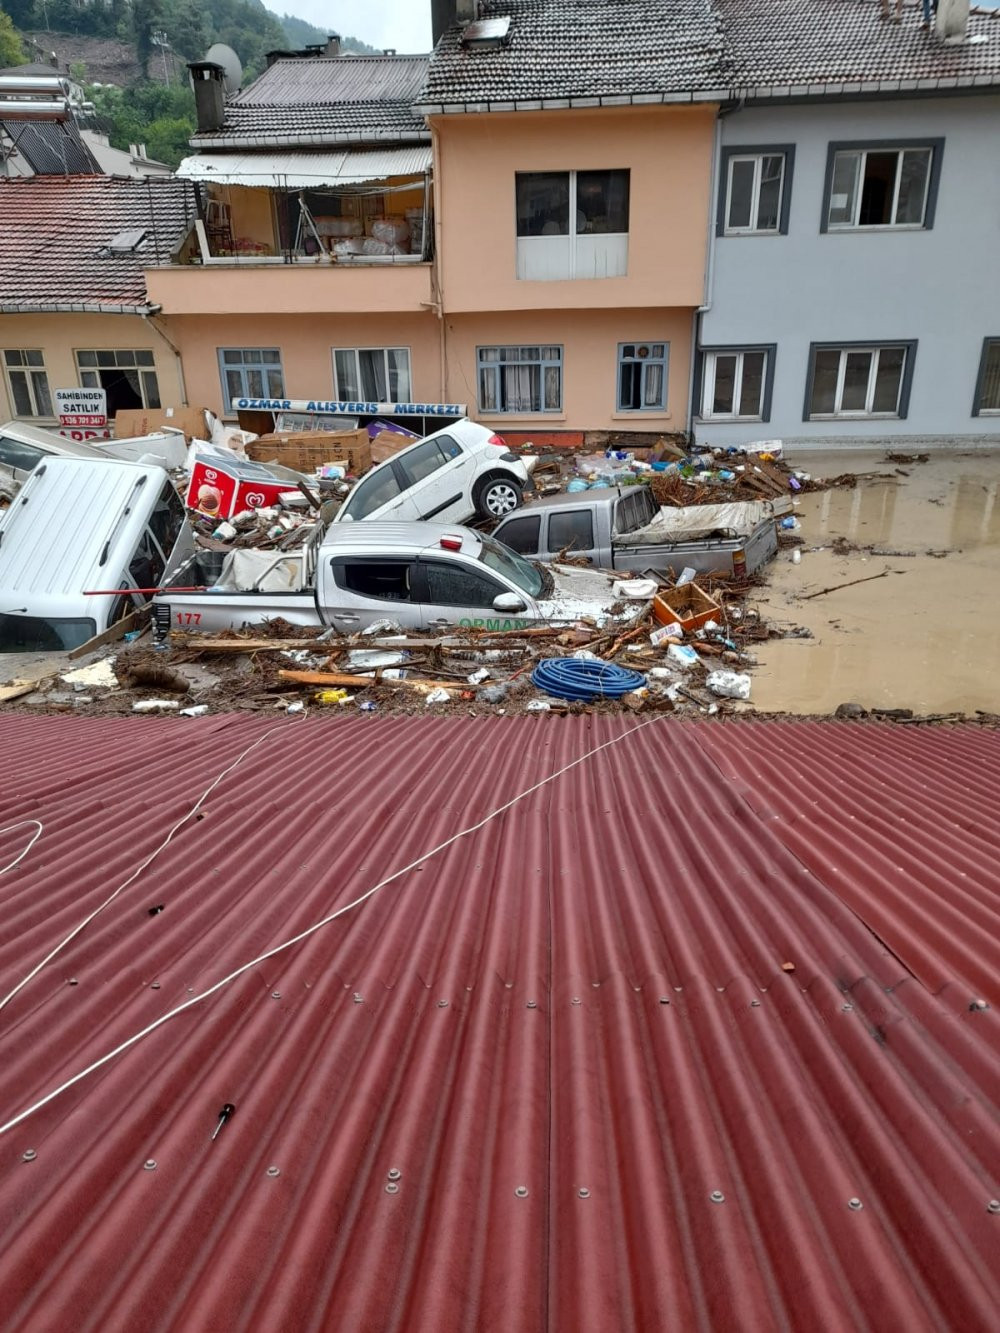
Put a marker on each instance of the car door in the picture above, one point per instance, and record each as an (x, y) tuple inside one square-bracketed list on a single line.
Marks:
[(452, 592), (369, 588), (572, 531), (521, 534), (437, 476)]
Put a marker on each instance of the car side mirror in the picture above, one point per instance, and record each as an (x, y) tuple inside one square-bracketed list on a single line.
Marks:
[(509, 602)]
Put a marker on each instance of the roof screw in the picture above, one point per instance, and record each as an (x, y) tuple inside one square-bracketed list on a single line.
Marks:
[(992, 1207), (664, 999), (276, 995), (155, 986), (274, 1171), (521, 1191), (29, 1155), (584, 1193), (575, 999), (394, 1173), (442, 1004), (509, 985), (72, 982), (855, 1205), (149, 1164), (717, 1196), (532, 1004), (978, 1004), (392, 1188), (847, 1008), (755, 1004), (358, 999)]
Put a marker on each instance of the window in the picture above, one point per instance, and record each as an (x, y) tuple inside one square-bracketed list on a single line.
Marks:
[(388, 579), (987, 399), (127, 377), (453, 585), (250, 372), (377, 489), (521, 534), (29, 384), (372, 374), (859, 381), (519, 571), (881, 185), (642, 377), (520, 379), (572, 224), (755, 190), (736, 383), (572, 531), (423, 460)]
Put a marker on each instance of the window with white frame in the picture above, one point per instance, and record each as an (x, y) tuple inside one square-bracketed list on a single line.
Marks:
[(755, 191), (642, 377), (859, 381), (28, 383), (250, 372), (735, 384), (520, 379), (128, 377), (372, 374), (572, 224), (881, 185), (987, 400)]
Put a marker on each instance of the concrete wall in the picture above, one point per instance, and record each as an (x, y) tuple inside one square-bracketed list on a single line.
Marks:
[(58, 336), (939, 286)]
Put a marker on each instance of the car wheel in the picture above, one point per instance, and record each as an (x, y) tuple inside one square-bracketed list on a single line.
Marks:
[(498, 497)]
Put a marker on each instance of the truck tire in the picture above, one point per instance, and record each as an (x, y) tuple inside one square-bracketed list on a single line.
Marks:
[(497, 497)]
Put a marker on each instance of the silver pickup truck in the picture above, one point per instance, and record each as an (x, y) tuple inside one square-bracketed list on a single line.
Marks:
[(624, 529), (348, 576)]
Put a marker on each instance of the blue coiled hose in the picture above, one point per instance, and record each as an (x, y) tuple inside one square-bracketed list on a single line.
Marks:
[(582, 678)]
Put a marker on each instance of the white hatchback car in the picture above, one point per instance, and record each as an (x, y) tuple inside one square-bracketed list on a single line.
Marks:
[(452, 475)]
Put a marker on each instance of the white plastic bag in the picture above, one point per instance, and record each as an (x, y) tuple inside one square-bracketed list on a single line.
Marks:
[(728, 684)]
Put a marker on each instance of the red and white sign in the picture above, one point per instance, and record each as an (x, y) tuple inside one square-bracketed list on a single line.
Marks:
[(222, 487), (83, 414)]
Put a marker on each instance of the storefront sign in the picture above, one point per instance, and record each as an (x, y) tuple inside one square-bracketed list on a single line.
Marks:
[(350, 409), (83, 414)]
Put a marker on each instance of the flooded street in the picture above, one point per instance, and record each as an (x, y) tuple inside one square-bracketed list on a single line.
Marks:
[(925, 636)]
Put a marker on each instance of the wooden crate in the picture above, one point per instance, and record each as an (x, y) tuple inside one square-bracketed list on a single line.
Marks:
[(689, 607)]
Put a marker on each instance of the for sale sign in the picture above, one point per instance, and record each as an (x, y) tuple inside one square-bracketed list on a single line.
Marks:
[(83, 414)]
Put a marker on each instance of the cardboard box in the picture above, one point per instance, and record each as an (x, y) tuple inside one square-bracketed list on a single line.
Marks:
[(388, 443), (222, 487), (144, 421), (308, 450)]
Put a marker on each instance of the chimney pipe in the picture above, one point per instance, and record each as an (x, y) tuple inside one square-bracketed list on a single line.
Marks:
[(333, 44), (209, 94), (444, 13)]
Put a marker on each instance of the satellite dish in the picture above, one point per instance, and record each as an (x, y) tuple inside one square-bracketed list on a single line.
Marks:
[(223, 55)]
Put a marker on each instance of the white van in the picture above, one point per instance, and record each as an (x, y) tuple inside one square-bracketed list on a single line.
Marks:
[(79, 536)]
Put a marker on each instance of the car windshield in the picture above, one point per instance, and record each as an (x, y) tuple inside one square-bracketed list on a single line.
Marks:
[(31, 634), (495, 555)]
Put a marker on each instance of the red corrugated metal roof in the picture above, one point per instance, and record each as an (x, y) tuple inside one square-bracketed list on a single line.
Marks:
[(571, 1032)]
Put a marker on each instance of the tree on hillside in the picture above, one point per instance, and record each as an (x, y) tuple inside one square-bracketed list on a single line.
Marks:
[(11, 52)]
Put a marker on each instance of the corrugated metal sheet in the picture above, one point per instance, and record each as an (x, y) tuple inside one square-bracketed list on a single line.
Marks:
[(686, 1038), (293, 171)]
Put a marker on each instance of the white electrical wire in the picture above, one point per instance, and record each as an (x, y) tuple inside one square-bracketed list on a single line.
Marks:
[(135, 873), (39, 826), (310, 930)]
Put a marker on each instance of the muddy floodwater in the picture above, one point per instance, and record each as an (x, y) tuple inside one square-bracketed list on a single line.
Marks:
[(925, 636)]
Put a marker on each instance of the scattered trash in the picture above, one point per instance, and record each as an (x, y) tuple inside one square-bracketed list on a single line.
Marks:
[(333, 697), (297, 707), (538, 706), (682, 655), (154, 705), (728, 684), (477, 677), (97, 675), (640, 589), (198, 710), (686, 575), (438, 697)]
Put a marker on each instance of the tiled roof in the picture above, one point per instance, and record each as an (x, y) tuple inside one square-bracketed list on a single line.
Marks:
[(51, 148), (651, 1025), (572, 49), (675, 50), (55, 231), (326, 100), (824, 42)]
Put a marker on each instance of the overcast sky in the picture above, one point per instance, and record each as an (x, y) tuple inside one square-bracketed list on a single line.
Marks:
[(404, 24)]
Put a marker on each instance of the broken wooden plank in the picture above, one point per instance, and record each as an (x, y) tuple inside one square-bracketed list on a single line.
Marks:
[(836, 587), (135, 620), (362, 682), (19, 688)]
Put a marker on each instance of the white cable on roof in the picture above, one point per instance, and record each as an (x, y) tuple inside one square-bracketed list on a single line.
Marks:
[(23, 823), (135, 873), (310, 930)]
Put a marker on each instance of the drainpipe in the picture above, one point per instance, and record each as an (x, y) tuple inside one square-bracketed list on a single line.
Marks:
[(709, 259), (438, 290), (149, 317)]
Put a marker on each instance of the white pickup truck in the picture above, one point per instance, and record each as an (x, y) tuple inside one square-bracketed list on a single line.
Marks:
[(350, 575)]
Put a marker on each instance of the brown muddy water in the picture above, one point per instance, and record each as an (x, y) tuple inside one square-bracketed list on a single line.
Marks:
[(927, 635)]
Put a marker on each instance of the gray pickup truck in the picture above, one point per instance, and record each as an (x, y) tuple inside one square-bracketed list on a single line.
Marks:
[(624, 528)]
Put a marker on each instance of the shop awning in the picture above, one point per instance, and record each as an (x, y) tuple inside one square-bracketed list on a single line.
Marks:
[(305, 170)]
